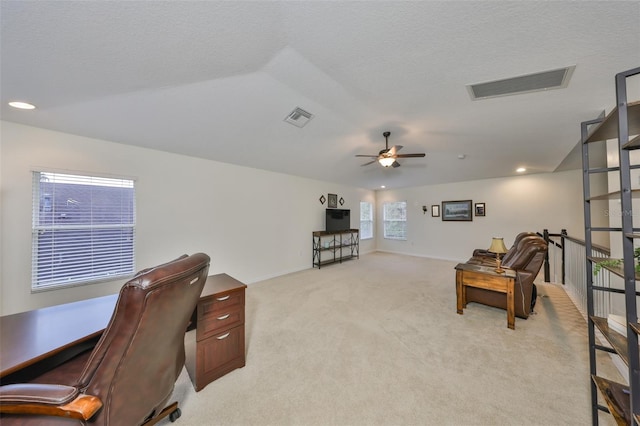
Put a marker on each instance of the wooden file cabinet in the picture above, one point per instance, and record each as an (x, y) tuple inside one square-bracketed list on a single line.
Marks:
[(219, 323)]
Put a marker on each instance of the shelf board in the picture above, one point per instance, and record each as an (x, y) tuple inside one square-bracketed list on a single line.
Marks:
[(608, 128), (336, 247), (635, 193), (599, 229), (618, 270), (608, 289), (598, 259), (615, 339), (632, 144), (325, 233), (337, 260), (604, 169), (615, 168), (617, 399)]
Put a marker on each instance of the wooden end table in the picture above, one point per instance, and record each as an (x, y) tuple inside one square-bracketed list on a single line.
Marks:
[(485, 277)]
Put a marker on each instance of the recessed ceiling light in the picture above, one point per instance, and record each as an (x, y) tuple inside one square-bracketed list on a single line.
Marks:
[(461, 157), (382, 186), (22, 105), (521, 170)]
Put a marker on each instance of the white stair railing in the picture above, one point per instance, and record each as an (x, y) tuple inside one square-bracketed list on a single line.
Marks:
[(575, 264)]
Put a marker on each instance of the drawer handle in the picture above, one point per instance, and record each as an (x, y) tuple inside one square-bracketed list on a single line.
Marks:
[(224, 317), (220, 299), (224, 336)]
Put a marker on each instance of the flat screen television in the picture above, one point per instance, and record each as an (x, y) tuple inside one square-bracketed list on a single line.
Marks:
[(338, 220)]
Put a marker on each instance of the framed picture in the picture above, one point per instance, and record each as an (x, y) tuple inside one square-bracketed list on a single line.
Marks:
[(435, 210), (457, 210), (332, 201), (480, 209)]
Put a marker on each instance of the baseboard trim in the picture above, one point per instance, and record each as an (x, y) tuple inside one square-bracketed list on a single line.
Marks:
[(422, 255)]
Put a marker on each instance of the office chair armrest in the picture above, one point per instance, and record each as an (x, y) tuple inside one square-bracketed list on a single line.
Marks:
[(48, 400)]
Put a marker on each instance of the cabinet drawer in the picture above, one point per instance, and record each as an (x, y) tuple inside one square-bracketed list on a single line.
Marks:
[(216, 304), (220, 320), (219, 354)]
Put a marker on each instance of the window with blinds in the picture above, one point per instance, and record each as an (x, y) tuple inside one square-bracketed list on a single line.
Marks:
[(83, 229), (366, 220), (395, 220)]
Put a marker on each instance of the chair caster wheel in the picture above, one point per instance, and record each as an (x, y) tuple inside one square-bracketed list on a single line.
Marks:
[(175, 415)]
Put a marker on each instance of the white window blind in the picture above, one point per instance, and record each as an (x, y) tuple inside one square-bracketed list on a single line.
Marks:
[(83, 229), (395, 220), (366, 220)]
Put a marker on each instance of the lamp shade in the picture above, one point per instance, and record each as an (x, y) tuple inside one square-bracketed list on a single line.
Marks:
[(386, 161), (497, 246)]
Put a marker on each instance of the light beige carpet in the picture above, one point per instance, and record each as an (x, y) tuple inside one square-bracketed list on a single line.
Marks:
[(377, 341)]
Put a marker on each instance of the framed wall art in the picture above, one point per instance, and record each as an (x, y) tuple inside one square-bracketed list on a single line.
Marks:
[(480, 210), (457, 210), (332, 201)]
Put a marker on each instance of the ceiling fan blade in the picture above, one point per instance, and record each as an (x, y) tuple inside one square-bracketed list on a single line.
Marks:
[(395, 164), (369, 156), (410, 155), (370, 162), (394, 149)]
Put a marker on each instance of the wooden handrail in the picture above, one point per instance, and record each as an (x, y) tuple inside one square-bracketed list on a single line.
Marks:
[(564, 236), (603, 249)]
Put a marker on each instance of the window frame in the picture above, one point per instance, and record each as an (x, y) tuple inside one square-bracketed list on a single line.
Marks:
[(388, 221), (96, 230), (370, 221)]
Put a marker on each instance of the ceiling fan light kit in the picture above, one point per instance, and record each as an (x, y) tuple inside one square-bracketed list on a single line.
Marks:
[(388, 156), (386, 161)]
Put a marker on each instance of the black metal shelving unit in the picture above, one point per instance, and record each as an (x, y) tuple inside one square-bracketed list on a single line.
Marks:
[(620, 400), (335, 246)]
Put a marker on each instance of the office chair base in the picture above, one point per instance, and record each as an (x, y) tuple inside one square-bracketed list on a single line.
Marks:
[(170, 410)]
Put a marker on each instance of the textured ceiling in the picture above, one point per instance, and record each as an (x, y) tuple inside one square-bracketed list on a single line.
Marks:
[(216, 80)]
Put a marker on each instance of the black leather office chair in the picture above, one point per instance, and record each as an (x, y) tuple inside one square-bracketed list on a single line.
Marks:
[(128, 378)]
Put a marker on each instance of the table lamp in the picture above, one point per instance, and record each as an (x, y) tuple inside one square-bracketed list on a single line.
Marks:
[(498, 247)]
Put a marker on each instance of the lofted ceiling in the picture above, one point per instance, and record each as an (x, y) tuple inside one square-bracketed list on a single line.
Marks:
[(216, 80)]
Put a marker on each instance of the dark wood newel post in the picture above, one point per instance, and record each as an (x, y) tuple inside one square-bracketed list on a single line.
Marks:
[(547, 273), (563, 233)]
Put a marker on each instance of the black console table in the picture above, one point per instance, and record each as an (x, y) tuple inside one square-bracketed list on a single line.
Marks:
[(335, 246)]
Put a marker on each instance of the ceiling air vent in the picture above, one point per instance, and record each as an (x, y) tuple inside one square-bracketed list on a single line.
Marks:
[(299, 117), (546, 80)]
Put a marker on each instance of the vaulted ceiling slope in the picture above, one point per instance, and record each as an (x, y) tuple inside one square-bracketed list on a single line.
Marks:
[(216, 79)]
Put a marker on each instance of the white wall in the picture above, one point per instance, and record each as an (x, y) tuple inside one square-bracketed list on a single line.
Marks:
[(254, 224), (513, 205)]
